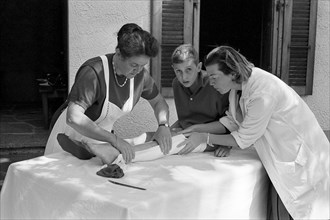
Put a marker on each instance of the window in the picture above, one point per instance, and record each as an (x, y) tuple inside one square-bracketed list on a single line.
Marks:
[(294, 33), (173, 23), (289, 50)]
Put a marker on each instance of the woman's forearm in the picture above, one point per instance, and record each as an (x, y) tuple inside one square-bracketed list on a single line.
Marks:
[(160, 108), (85, 126)]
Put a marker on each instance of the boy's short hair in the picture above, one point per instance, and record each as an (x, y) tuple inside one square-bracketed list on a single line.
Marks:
[(183, 53)]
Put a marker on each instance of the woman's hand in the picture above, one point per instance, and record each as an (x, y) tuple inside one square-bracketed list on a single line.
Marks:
[(164, 139), (222, 151), (192, 142), (125, 149)]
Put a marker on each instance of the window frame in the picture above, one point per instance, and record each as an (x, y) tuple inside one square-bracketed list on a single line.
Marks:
[(190, 35), (282, 49)]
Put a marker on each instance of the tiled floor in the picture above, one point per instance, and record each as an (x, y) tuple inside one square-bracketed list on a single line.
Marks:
[(22, 134)]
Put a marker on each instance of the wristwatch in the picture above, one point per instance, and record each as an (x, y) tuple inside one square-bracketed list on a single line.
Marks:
[(164, 124)]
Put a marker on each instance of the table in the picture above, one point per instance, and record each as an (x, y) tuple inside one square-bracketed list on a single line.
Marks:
[(194, 186)]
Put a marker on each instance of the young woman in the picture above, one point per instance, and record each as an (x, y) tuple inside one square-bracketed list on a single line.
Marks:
[(267, 114), (105, 89)]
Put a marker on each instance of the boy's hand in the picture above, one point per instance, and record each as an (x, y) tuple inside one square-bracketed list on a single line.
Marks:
[(222, 151)]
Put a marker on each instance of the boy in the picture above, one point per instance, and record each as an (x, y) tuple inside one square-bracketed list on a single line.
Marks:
[(199, 106)]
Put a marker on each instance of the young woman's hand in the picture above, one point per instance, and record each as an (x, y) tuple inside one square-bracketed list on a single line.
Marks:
[(222, 151), (125, 149), (194, 139), (163, 137)]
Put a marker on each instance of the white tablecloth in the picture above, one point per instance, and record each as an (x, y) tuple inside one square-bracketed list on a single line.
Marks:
[(199, 185)]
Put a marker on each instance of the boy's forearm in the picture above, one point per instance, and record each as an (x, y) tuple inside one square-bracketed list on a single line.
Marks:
[(176, 124), (214, 127), (223, 139)]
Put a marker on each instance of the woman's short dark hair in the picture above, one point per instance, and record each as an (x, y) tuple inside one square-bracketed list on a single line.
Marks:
[(134, 41), (230, 61)]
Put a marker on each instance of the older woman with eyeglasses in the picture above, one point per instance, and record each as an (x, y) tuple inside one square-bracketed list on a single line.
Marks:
[(265, 113)]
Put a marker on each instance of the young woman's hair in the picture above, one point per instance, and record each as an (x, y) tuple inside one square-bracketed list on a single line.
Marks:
[(230, 61), (183, 53), (134, 41)]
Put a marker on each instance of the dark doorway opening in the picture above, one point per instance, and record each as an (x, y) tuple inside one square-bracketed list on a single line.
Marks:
[(242, 24), (33, 42)]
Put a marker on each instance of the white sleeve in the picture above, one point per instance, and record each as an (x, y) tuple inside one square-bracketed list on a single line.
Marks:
[(258, 114), (229, 122)]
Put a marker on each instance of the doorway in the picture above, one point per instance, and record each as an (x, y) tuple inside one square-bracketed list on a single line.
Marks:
[(33, 42), (244, 25)]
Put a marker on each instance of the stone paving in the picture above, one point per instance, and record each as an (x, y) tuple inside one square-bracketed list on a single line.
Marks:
[(22, 135)]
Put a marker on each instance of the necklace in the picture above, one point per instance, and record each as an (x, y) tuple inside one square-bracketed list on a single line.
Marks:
[(115, 73)]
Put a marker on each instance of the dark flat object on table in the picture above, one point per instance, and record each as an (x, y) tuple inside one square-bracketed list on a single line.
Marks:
[(111, 171), (75, 148)]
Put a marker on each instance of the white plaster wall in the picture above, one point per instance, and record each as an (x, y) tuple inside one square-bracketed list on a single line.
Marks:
[(319, 102), (93, 25)]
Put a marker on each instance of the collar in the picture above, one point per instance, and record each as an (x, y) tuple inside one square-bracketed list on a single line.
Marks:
[(246, 85)]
